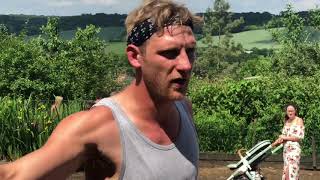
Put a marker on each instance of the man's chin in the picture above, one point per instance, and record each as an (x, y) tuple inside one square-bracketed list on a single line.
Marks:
[(176, 96)]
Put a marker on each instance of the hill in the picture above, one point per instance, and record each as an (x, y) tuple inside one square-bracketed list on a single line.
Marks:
[(260, 39), (113, 33), (250, 39), (15, 23), (32, 23)]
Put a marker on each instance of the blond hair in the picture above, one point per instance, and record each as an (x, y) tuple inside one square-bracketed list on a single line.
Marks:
[(160, 12)]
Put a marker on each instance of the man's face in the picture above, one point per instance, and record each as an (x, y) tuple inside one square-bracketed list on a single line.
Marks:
[(167, 62)]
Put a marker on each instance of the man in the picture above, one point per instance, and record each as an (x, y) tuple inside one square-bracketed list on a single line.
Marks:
[(143, 132)]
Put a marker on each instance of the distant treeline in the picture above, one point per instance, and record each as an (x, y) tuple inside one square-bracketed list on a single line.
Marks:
[(31, 24)]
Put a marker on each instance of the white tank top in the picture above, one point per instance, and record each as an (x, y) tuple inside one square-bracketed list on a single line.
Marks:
[(143, 159)]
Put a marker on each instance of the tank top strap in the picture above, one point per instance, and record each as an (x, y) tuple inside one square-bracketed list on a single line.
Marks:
[(118, 114), (121, 122), (185, 114)]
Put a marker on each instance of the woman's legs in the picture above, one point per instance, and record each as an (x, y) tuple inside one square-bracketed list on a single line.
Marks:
[(291, 167)]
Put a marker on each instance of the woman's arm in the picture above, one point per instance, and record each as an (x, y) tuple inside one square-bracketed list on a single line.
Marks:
[(289, 138), (277, 142)]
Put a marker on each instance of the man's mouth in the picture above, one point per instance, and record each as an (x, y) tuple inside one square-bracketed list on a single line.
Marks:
[(179, 81)]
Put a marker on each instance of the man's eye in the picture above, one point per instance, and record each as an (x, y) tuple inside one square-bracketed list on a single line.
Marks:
[(191, 54), (170, 54)]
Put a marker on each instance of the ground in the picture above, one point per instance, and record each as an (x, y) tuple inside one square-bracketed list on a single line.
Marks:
[(271, 171), (217, 170), (210, 170)]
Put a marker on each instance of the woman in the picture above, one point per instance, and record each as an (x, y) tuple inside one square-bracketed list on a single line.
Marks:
[(292, 133)]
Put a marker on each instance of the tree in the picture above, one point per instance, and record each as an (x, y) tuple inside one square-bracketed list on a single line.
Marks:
[(218, 20), (47, 65), (297, 55), (290, 27), (216, 56)]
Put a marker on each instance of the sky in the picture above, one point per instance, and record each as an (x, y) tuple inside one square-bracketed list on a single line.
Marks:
[(77, 7)]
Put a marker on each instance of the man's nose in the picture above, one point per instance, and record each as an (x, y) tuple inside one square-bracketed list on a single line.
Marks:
[(184, 62)]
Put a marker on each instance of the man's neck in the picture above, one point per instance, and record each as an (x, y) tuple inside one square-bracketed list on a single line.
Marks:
[(138, 100)]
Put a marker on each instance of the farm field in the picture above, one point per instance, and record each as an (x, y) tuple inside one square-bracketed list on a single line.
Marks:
[(107, 33), (250, 39), (116, 47)]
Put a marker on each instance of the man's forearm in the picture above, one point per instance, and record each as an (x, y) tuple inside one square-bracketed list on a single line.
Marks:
[(5, 173)]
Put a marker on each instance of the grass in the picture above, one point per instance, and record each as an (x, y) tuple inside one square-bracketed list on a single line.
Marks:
[(250, 39), (107, 33), (115, 37), (25, 124), (116, 47), (255, 38)]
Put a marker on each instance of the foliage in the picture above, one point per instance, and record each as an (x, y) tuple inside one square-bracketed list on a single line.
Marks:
[(219, 131), (297, 55), (48, 65), (229, 113), (253, 108), (32, 23), (216, 57), (25, 124), (293, 31), (254, 67), (109, 34)]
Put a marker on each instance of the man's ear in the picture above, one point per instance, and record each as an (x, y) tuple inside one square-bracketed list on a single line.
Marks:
[(134, 55)]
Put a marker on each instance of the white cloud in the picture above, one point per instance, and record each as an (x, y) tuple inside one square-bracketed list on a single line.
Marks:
[(99, 2), (301, 5), (66, 3), (75, 7), (60, 3)]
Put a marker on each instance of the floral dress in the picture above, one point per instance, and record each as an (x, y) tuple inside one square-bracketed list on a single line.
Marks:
[(292, 150)]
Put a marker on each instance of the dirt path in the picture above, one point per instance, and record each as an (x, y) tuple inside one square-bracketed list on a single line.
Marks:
[(271, 171), (219, 171), (210, 170)]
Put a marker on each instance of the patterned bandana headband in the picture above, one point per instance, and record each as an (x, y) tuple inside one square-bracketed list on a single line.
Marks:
[(144, 30)]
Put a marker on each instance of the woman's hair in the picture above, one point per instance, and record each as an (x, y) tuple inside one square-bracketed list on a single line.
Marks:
[(159, 12), (296, 108)]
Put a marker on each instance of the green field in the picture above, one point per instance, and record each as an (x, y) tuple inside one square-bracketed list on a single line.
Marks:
[(116, 47), (250, 39), (255, 38), (112, 35), (107, 33)]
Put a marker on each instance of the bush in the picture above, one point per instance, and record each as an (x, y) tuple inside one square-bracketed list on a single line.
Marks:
[(253, 108), (47, 65)]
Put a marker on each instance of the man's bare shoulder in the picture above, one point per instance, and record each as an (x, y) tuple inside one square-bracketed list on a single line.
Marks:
[(86, 124), (66, 148)]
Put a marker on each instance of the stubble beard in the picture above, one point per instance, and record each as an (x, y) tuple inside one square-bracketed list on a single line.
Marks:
[(164, 91)]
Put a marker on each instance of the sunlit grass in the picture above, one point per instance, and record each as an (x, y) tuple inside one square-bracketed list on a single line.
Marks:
[(25, 125)]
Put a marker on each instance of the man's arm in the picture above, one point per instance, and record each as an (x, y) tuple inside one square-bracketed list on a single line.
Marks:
[(59, 157)]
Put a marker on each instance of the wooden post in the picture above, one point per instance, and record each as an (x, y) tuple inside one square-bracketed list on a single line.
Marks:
[(314, 154)]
